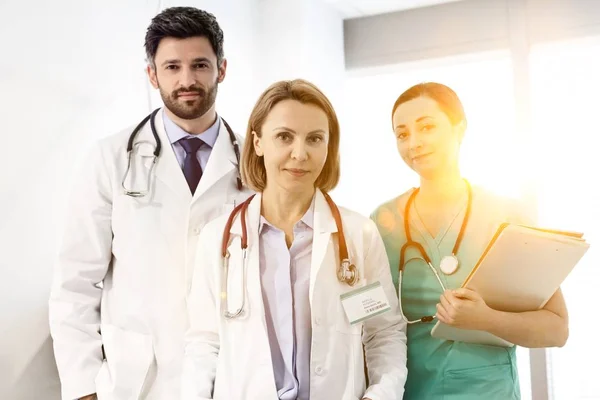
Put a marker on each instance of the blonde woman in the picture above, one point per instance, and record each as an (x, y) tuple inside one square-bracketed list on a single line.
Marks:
[(272, 297)]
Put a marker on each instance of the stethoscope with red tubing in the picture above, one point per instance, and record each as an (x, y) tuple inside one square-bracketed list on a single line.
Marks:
[(346, 271), (449, 263)]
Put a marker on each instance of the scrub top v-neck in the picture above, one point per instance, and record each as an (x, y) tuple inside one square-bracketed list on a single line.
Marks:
[(439, 369)]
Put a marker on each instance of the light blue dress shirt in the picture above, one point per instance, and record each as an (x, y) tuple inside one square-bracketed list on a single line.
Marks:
[(285, 280), (175, 133)]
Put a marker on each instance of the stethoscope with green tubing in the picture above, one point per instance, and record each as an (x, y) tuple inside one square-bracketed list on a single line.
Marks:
[(449, 263)]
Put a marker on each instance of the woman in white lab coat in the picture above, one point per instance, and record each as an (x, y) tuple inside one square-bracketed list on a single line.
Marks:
[(267, 322)]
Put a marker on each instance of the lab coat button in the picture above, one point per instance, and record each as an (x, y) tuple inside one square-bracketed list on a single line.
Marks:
[(196, 231), (317, 321), (319, 371)]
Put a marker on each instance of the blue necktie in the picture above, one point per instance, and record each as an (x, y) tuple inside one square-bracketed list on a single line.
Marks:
[(191, 166)]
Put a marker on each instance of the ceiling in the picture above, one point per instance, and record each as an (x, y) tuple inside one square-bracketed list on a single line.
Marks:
[(361, 8)]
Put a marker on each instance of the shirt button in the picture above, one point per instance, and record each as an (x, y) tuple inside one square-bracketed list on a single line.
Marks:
[(318, 321), (319, 371), (196, 231)]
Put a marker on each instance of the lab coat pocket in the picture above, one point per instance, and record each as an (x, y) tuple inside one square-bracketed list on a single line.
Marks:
[(128, 359), (492, 382)]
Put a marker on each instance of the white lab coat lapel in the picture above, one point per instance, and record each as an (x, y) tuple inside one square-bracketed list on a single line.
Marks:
[(324, 226), (253, 322), (167, 168), (175, 201), (222, 160)]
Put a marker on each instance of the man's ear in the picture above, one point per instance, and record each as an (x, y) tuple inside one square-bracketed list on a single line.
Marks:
[(151, 71), (222, 71)]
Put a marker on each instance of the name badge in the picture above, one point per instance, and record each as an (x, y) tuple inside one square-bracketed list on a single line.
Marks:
[(365, 303)]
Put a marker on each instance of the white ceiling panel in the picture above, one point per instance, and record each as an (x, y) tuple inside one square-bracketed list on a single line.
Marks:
[(362, 8)]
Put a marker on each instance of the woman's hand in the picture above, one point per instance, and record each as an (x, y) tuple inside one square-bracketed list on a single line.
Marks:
[(463, 308)]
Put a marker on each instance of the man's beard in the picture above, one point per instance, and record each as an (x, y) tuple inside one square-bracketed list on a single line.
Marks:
[(190, 109)]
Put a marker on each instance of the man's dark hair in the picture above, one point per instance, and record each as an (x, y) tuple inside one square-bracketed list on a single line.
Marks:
[(183, 23)]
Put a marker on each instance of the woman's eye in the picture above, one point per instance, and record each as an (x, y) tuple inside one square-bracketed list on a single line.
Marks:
[(285, 136), (401, 135)]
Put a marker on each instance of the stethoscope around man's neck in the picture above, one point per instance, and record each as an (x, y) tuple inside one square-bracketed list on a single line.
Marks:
[(157, 151)]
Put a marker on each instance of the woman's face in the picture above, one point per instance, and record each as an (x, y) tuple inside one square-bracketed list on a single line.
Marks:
[(293, 143), (426, 139)]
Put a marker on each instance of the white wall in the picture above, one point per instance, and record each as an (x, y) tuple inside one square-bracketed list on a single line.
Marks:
[(66, 79), (72, 72), (301, 39)]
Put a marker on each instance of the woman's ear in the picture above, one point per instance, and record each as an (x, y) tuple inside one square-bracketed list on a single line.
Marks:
[(461, 127), (256, 140)]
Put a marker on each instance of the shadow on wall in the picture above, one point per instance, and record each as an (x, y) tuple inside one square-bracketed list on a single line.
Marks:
[(33, 375)]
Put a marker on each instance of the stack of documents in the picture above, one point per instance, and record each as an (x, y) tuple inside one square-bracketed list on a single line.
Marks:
[(521, 268)]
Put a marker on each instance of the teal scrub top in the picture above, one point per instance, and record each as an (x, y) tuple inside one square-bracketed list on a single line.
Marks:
[(441, 369)]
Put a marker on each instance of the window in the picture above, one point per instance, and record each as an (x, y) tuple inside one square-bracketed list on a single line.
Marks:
[(566, 98), (368, 147)]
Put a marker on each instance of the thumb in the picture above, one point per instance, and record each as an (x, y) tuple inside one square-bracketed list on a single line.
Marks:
[(465, 293)]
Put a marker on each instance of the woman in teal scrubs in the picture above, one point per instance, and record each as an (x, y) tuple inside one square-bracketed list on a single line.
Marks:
[(429, 124)]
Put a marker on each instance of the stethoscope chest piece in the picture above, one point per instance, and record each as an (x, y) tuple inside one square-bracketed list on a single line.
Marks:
[(347, 273), (449, 264)]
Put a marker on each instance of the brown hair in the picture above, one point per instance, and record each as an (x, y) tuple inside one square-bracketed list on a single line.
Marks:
[(445, 97), (253, 169), (181, 23)]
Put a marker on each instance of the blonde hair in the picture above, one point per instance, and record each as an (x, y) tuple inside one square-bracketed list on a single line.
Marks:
[(253, 169)]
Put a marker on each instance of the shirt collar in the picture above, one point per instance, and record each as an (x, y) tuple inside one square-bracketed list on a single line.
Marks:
[(176, 133), (306, 220)]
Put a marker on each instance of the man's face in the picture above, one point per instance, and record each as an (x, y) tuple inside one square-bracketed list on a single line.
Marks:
[(187, 74)]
